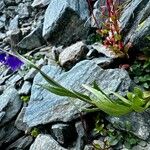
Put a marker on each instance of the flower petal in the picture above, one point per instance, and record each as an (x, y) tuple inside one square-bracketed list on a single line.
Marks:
[(13, 62)]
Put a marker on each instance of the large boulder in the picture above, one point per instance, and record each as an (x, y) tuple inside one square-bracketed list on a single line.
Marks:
[(135, 22), (62, 24), (45, 107)]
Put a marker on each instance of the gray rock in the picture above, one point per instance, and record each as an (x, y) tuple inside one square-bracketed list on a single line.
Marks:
[(10, 103), (9, 2), (103, 50), (136, 123), (25, 89), (19, 121), (135, 23), (72, 54), (2, 114), (63, 133), (92, 53), (22, 143), (8, 134), (2, 5), (18, 1), (103, 62), (2, 21), (80, 129), (13, 80), (2, 36), (81, 7), (88, 147), (32, 72), (23, 10), (14, 23), (138, 147), (40, 3), (15, 37), (62, 25), (45, 142), (81, 136), (56, 51), (33, 40), (50, 106)]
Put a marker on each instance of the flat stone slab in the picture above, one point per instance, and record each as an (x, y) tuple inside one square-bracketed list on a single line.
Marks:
[(45, 107)]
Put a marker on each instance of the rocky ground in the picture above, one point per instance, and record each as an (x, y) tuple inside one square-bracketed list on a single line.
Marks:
[(56, 36)]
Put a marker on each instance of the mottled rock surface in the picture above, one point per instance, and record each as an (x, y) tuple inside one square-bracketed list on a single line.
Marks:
[(85, 72)]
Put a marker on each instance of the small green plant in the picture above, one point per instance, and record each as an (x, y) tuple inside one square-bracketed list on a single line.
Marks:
[(25, 98), (136, 101), (140, 70), (35, 132), (113, 137)]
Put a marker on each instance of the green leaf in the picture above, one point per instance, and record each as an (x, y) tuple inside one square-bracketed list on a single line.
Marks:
[(61, 91), (138, 92), (126, 101), (58, 91)]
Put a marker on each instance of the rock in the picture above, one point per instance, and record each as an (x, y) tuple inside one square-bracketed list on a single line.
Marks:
[(2, 36), (80, 129), (18, 1), (139, 147), (8, 134), (2, 5), (136, 123), (103, 50), (9, 2), (81, 7), (45, 142), (22, 143), (81, 136), (32, 72), (2, 21), (14, 23), (92, 53), (51, 106), (10, 103), (103, 62), (59, 25), (56, 52), (63, 134), (19, 121), (2, 114), (33, 40), (72, 54), (40, 3), (135, 23), (88, 147), (25, 89), (23, 10), (15, 37), (12, 81)]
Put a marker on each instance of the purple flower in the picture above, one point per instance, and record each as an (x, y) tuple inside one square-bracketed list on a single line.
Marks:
[(9, 60)]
